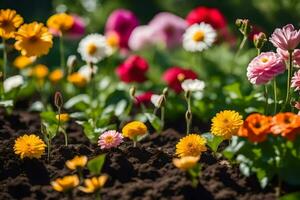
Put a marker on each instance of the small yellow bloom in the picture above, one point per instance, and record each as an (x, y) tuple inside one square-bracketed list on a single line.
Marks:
[(60, 22), (40, 71), (56, 75), (226, 124), (9, 22), (77, 162), (113, 39), (33, 39), (93, 184), (134, 129), (64, 117), (191, 145), (30, 146), (77, 79), (65, 183), (21, 62), (185, 163)]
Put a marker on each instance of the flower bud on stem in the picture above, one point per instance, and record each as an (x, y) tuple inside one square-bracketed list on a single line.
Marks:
[(188, 114)]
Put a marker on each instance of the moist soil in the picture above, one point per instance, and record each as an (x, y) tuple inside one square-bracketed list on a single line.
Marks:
[(144, 172)]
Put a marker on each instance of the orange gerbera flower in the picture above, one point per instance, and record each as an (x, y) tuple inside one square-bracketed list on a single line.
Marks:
[(256, 127), (287, 124)]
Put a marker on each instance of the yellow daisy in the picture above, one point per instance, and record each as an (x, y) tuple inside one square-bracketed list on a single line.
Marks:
[(33, 39), (186, 163), (30, 146), (93, 184), (21, 62), (191, 145), (226, 124), (9, 22), (65, 183), (60, 22)]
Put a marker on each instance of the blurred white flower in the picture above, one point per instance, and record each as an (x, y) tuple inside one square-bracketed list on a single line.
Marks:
[(192, 85), (86, 72), (71, 61), (93, 48), (13, 82), (156, 100), (199, 37)]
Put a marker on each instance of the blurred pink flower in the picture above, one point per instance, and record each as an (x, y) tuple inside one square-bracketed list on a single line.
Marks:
[(110, 139), (286, 38), (144, 98), (296, 81), (123, 22), (264, 68), (170, 27), (77, 30), (285, 55)]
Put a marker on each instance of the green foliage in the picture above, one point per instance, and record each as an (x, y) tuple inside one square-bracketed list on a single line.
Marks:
[(212, 141), (95, 165), (154, 121), (291, 196)]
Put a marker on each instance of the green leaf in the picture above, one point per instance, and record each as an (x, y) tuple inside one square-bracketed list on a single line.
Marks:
[(291, 196), (95, 165), (49, 117), (213, 141), (154, 121), (80, 101), (89, 131)]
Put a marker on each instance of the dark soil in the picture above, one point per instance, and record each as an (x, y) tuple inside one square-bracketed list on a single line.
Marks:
[(145, 172)]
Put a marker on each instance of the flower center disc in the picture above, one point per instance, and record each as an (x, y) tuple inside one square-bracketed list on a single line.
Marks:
[(91, 49), (264, 60), (198, 36)]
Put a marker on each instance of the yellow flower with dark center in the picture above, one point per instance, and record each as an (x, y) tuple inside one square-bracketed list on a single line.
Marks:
[(30, 146), (93, 184), (9, 22), (21, 62), (191, 145), (134, 129), (226, 124), (33, 39), (186, 162), (77, 79), (56, 75), (64, 117), (65, 183), (76, 162), (40, 71), (60, 22)]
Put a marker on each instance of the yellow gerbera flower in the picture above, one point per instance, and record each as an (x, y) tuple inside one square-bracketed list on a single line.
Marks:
[(65, 183), (64, 117), (77, 79), (56, 75), (185, 163), (94, 184), (40, 71), (134, 129), (60, 22), (76, 162), (33, 39), (191, 145), (9, 22), (21, 62), (226, 124), (30, 146)]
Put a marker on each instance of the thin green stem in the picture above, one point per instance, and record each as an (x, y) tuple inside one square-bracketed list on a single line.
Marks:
[(62, 55), (266, 98), (275, 95), (2, 71), (188, 115), (162, 117), (66, 138), (49, 148), (241, 45), (288, 85)]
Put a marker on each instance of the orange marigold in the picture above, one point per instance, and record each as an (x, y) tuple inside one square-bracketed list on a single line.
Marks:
[(256, 127), (287, 124)]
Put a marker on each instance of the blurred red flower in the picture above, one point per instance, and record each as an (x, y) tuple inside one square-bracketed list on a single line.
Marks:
[(144, 98), (133, 69), (211, 16), (175, 75)]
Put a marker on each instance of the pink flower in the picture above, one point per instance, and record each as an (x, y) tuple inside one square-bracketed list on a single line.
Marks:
[(264, 68), (144, 98), (170, 27), (286, 38), (296, 81), (285, 55), (122, 21), (110, 139), (175, 75), (133, 69)]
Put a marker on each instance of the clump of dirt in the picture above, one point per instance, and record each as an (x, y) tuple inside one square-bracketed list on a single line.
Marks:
[(145, 172)]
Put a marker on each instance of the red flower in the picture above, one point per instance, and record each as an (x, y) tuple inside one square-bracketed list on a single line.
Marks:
[(211, 16), (143, 98), (133, 69), (175, 75)]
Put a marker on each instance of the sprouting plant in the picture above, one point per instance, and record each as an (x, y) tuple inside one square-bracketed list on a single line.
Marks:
[(61, 118)]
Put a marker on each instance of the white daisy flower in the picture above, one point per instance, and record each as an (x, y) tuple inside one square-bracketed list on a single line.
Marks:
[(93, 48), (199, 37), (86, 72), (192, 85), (13, 82), (156, 100)]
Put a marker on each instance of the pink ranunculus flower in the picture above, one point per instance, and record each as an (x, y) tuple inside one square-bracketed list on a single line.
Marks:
[(123, 22), (110, 139), (296, 81), (285, 55), (286, 38), (143, 37), (170, 27), (265, 67)]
